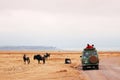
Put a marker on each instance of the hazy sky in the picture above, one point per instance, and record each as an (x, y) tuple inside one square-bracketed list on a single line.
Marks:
[(60, 23)]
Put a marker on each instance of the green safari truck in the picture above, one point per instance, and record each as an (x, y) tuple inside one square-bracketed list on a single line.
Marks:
[(89, 58)]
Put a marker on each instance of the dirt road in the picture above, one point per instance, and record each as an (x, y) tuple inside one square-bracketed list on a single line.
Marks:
[(109, 70)]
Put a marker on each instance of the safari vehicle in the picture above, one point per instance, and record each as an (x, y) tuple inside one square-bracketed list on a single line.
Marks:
[(90, 58)]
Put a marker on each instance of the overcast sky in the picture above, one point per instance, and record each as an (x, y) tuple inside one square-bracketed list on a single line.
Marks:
[(60, 23)]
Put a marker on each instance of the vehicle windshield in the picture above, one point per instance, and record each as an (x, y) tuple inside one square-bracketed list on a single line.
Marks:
[(89, 53)]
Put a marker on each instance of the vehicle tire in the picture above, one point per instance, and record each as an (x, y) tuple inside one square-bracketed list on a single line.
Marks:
[(84, 67), (97, 67)]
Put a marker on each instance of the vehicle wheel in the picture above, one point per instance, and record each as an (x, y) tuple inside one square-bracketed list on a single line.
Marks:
[(97, 67), (84, 67)]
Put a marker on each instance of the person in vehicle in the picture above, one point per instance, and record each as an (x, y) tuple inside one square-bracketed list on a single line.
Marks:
[(89, 46)]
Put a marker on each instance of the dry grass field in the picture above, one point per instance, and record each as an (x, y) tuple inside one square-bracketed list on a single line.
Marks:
[(12, 66)]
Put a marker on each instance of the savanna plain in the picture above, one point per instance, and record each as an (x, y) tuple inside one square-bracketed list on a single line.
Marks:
[(12, 66)]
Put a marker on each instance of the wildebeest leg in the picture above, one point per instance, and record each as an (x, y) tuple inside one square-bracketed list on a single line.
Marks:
[(28, 61), (43, 60), (38, 61), (24, 61)]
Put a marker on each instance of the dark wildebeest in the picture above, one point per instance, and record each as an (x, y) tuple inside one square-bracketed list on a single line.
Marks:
[(47, 55), (39, 57), (26, 59)]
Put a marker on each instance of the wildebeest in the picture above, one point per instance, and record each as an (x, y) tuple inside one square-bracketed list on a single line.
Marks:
[(39, 58), (26, 59), (47, 55)]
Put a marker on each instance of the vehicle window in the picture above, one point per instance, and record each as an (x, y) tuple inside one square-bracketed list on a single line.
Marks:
[(94, 53), (88, 53)]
